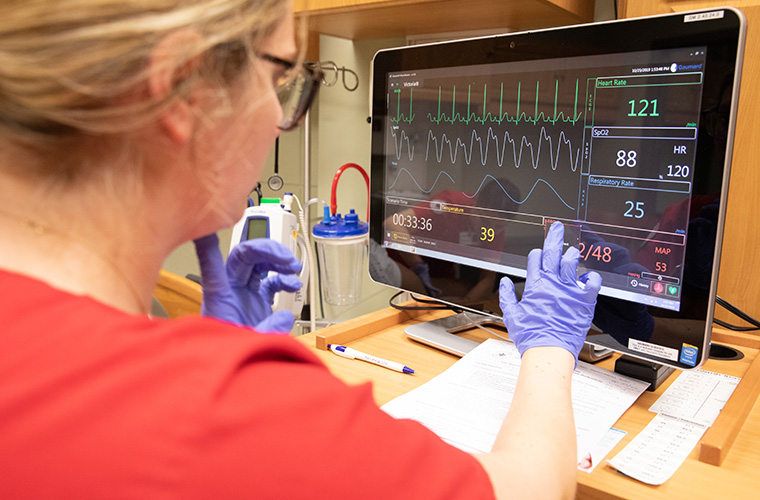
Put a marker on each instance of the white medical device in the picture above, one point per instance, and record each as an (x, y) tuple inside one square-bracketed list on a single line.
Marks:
[(273, 219)]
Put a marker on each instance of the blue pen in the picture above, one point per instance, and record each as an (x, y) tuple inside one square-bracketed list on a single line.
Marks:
[(350, 353)]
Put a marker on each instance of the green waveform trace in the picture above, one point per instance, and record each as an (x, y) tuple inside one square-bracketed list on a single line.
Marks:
[(519, 116), (400, 117)]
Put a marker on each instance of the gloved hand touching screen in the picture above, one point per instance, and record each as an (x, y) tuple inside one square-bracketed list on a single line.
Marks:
[(556, 308), (240, 291)]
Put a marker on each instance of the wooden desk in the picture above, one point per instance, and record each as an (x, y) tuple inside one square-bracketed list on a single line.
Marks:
[(382, 334)]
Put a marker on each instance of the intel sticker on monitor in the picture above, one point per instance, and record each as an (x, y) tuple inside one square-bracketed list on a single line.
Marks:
[(689, 355)]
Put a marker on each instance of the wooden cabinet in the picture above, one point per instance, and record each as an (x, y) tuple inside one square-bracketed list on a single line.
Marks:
[(375, 19), (739, 281)]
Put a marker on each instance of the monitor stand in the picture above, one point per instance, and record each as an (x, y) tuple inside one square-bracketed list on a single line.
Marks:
[(441, 333), (648, 371)]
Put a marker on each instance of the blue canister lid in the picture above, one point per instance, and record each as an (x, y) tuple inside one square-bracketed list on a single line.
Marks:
[(335, 226)]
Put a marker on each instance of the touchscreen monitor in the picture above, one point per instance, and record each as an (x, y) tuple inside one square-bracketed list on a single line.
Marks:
[(621, 130)]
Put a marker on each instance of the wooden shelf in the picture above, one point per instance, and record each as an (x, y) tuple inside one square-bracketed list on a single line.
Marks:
[(377, 19)]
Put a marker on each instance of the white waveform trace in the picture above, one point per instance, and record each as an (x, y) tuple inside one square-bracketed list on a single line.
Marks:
[(517, 153), (483, 147), (399, 144)]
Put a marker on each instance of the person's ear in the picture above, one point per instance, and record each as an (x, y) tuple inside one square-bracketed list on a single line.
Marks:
[(169, 68)]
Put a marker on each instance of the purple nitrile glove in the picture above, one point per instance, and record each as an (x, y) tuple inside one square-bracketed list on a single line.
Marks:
[(240, 291), (556, 308)]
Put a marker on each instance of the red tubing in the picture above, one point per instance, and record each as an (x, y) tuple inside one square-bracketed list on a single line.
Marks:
[(333, 197)]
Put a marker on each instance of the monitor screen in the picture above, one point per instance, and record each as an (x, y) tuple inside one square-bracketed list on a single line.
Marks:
[(620, 130)]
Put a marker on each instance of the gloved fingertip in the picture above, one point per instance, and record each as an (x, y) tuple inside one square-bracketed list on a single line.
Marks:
[(573, 253), (264, 254), (507, 297), (294, 283), (275, 283), (534, 263), (592, 281), (284, 282), (294, 266), (555, 234), (505, 284), (569, 265), (595, 280), (553, 248)]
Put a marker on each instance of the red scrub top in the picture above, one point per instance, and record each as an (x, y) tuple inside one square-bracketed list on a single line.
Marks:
[(97, 403)]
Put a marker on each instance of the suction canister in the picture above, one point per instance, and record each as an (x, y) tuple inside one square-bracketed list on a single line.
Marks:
[(341, 249)]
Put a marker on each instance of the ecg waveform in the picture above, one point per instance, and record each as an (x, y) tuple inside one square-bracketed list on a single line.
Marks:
[(488, 116), (480, 187), (499, 146), (400, 117)]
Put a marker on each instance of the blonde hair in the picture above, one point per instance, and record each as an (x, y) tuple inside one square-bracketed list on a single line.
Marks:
[(66, 65)]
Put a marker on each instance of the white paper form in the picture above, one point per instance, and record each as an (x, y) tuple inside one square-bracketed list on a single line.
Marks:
[(685, 411), (697, 396), (466, 404), (600, 397), (658, 451)]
